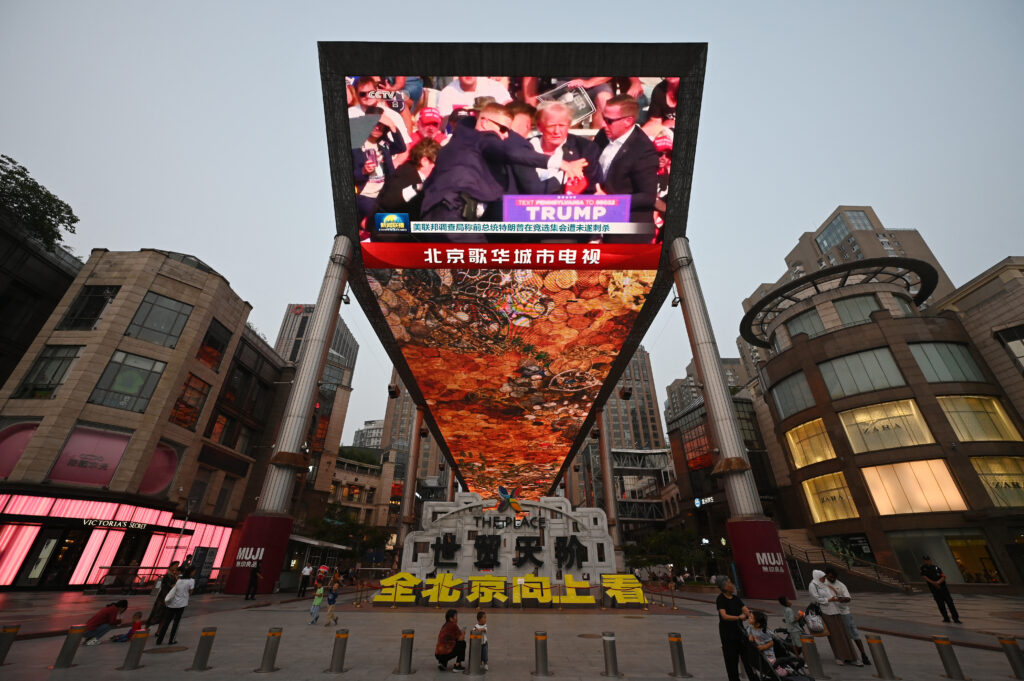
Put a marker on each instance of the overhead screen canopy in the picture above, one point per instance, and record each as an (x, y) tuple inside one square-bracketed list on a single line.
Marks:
[(511, 229)]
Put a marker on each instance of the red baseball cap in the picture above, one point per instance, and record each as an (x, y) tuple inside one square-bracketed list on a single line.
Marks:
[(662, 143), (429, 114)]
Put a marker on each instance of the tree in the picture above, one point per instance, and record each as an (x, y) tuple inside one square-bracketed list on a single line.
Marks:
[(41, 212)]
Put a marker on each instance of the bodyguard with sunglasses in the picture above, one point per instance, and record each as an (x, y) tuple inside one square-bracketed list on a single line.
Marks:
[(471, 174), (628, 160)]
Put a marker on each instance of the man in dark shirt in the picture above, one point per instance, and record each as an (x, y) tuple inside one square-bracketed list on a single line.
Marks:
[(936, 579), (732, 613)]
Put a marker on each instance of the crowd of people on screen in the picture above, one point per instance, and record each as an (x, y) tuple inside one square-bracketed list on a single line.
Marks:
[(450, 152)]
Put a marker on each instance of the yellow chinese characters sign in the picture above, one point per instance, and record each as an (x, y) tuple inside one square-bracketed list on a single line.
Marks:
[(447, 589)]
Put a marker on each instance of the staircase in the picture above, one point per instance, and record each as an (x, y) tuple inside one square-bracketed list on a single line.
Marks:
[(798, 545)]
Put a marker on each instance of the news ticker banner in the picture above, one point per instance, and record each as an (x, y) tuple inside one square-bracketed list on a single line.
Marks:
[(445, 588), (506, 256)]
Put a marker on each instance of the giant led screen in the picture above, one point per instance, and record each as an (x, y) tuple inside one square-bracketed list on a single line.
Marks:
[(510, 230)]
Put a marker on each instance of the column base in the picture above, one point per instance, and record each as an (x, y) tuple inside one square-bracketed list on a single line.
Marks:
[(759, 559), (264, 538)]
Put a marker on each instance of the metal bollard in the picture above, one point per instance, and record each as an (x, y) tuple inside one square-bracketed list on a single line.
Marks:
[(1009, 644), (948, 657), (475, 666), (405, 654), (540, 648), (7, 636), (270, 651), (135, 647), (66, 656), (879, 657), (199, 662), (675, 651), (812, 658), (611, 660), (338, 656)]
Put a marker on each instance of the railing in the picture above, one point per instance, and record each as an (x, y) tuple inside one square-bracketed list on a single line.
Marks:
[(881, 572)]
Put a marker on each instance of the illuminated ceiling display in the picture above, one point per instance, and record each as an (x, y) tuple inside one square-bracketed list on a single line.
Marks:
[(511, 233)]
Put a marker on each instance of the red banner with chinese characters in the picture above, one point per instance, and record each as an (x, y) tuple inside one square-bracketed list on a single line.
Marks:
[(382, 255)]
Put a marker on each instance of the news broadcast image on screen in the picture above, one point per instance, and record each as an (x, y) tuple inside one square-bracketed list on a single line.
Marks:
[(511, 232)]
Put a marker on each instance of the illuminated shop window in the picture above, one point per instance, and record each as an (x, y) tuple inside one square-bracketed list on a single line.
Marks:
[(978, 419), (857, 309), (48, 372), (885, 426), (792, 394), (190, 402), (942, 362), (159, 320), (806, 322), (861, 372), (974, 560), (809, 443), (128, 382), (913, 487), (828, 498), (1003, 477)]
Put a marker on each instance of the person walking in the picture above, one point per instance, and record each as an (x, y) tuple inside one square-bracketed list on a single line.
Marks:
[(732, 613), (166, 584), (828, 601), (318, 598), (103, 621), (332, 599), (451, 642), (177, 601), (936, 579), (304, 580), (254, 581)]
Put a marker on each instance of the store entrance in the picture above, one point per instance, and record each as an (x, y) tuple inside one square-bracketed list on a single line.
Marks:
[(53, 557)]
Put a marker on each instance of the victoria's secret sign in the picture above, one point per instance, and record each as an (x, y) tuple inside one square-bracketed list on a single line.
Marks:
[(114, 524)]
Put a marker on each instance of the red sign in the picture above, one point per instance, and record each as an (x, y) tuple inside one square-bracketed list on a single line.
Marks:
[(377, 255), (759, 559), (263, 538), (90, 457)]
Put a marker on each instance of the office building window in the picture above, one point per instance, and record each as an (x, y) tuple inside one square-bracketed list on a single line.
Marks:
[(806, 322), (48, 372), (828, 498), (227, 487), (1003, 477), (792, 394), (215, 344), (1013, 339), (159, 320), (856, 309), (87, 310), (859, 220), (809, 443), (190, 402), (861, 372), (913, 487), (885, 426), (943, 362), (904, 305), (833, 233), (128, 382), (978, 419)]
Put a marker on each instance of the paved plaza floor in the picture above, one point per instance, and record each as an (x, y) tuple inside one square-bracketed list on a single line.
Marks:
[(905, 623)]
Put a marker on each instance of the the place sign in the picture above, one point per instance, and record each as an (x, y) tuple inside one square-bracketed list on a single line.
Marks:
[(114, 524)]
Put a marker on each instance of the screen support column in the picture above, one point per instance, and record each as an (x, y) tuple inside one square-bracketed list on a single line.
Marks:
[(269, 526), (412, 469), (608, 478), (757, 551)]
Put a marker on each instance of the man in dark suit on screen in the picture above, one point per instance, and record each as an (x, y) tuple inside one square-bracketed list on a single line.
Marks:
[(628, 162)]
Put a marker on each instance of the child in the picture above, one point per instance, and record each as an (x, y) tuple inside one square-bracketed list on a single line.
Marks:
[(761, 637), (481, 628), (318, 598), (136, 625), (792, 621), (332, 598)]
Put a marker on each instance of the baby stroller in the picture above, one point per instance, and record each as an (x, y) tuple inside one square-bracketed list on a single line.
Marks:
[(788, 665)]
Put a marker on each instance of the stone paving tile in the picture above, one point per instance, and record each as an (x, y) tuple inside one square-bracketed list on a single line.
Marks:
[(373, 646)]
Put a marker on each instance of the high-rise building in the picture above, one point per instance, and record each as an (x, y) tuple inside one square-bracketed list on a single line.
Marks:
[(631, 413), (399, 421), (137, 427), (370, 435), (683, 392), (334, 390)]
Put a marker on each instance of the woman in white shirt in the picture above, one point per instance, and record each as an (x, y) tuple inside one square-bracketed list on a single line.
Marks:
[(176, 601)]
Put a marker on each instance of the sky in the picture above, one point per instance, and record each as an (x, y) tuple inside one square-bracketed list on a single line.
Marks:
[(198, 127)]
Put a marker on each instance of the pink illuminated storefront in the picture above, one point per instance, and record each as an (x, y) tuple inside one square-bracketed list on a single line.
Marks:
[(56, 543)]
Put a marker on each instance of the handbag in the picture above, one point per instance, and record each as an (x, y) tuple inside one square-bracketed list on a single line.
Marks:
[(813, 620)]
